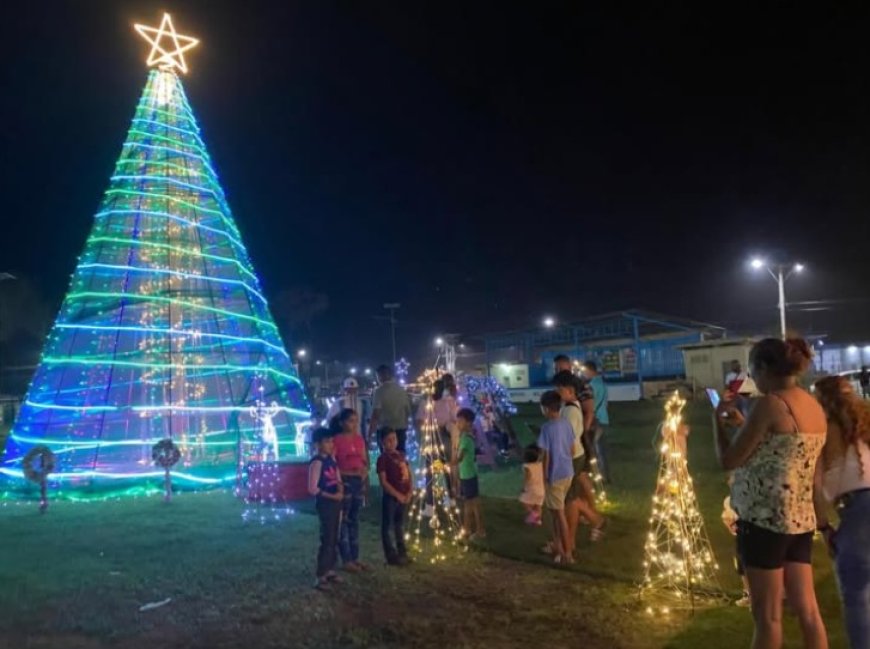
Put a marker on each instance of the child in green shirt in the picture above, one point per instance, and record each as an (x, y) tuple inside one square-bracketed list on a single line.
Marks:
[(466, 462)]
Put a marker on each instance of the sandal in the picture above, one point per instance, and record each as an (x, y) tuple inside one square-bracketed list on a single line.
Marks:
[(547, 549), (322, 585), (597, 533), (333, 578)]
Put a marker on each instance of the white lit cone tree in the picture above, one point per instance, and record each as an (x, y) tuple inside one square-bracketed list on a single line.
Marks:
[(261, 502), (679, 564), (432, 477)]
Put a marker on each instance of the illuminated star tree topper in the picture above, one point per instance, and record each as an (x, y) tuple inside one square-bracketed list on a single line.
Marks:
[(167, 46)]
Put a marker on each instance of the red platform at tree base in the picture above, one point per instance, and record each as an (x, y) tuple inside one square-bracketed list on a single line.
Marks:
[(291, 483)]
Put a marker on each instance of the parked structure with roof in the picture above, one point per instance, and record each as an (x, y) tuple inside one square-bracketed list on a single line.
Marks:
[(631, 346)]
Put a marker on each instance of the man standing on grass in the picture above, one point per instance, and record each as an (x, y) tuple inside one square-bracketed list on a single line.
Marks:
[(391, 407), (556, 442), (602, 418), (350, 398), (562, 363)]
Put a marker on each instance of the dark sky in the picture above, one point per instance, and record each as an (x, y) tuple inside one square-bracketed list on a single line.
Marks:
[(481, 163)]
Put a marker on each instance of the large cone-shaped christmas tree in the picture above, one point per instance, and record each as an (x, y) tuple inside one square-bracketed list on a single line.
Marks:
[(165, 331)]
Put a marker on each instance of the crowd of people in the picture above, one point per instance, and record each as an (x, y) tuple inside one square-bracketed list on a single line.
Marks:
[(338, 473), (793, 456)]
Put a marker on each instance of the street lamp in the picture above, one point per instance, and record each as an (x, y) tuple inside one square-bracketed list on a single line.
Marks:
[(367, 371), (302, 353), (353, 371), (780, 274), (549, 322), (439, 342)]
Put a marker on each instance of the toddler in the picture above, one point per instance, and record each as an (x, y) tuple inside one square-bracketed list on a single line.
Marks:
[(729, 518), (532, 496)]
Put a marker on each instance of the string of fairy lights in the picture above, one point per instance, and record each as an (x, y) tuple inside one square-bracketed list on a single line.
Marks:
[(679, 565), (434, 518), (165, 329)]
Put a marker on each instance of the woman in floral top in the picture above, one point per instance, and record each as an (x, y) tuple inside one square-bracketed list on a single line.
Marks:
[(774, 455)]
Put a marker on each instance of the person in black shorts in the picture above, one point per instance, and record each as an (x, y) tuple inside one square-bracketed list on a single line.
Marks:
[(466, 463), (774, 456)]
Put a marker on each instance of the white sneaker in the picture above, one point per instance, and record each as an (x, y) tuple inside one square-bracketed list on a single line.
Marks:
[(428, 511), (743, 602)]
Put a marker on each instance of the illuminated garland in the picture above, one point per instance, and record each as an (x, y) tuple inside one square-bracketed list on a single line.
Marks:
[(433, 474), (163, 332), (487, 397), (678, 564)]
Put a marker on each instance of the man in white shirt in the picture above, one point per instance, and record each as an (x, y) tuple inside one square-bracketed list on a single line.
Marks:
[(350, 399), (735, 378)]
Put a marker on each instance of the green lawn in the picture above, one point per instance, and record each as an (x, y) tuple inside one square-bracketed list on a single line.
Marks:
[(77, 576)]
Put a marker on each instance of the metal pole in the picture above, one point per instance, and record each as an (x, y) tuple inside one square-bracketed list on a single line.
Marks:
[(391, 307), (393, 333), (781, 281)]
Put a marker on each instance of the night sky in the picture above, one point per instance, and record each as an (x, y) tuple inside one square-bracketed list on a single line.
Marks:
[(483, 164)]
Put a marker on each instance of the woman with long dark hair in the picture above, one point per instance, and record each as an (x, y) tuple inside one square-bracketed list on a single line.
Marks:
[(844, 473), (773, 456), (353, 464)]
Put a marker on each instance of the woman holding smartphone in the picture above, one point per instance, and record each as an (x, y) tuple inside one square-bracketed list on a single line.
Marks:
[(773, 455)]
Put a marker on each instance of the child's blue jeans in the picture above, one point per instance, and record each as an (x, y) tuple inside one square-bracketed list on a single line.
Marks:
[(348, 537), (392, 527), (329, 512)]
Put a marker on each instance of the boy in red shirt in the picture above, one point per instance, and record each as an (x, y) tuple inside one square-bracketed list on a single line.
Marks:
[(395, 476)]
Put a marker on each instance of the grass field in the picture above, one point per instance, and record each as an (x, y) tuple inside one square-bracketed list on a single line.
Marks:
[(76, 577)]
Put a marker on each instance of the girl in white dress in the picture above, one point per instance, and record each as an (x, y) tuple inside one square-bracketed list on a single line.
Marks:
[(532, 496)]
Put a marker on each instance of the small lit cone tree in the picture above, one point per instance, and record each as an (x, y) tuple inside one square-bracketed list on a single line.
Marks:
[(261, 502), (679, 564), (431, 495)]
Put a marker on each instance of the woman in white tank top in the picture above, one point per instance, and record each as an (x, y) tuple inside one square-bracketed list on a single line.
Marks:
[(844, 473)]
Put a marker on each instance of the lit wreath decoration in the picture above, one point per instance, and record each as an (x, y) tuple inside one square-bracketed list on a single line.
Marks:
[(45, 466), (165, 454)]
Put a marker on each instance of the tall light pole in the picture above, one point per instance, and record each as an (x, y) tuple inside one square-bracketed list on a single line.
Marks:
[(391, 307), (325, 372), (780, 274), (3, 277)]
